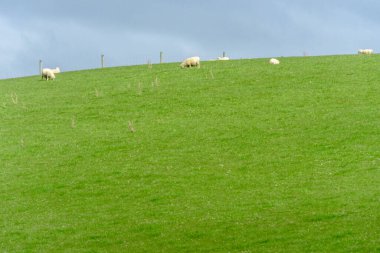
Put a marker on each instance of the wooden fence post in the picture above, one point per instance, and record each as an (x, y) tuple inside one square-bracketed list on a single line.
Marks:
[(102, 60), (224, 54), (161, 57), (40, 67)]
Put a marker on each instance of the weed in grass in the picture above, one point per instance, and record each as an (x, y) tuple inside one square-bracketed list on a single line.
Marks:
[(156, 82), (131, 127), (97, 93), (211, 74), (14, 98), (73, 122)]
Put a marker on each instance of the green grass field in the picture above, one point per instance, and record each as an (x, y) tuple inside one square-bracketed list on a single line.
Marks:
[(237, 156)]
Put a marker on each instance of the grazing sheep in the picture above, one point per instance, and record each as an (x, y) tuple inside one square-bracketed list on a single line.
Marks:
[(50, 73), (365, 51), (190, 62), (223, 58), (274, 61)]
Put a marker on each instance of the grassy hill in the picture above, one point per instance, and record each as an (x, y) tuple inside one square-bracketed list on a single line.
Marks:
[(238, 156)]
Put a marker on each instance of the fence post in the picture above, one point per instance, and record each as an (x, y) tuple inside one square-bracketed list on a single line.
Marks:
[(102, 60), (161, 57), (224, 54), (40, 66)]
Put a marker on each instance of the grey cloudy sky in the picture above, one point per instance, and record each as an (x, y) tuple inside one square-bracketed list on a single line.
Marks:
[(73, 34)]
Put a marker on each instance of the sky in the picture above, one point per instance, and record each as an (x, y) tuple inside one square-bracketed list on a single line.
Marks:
[(72, 34)]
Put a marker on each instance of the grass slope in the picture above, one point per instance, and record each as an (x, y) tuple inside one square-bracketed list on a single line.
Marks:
[(238, 156)]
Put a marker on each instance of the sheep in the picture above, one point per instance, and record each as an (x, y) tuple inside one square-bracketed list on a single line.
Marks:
[(223, 58), (274, 61), (50, 73), (365, 51), (190, 62)]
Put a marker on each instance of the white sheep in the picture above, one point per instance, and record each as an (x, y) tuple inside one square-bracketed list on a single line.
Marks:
[(190, 62), (50, 73), (274, 61), (365, 51), (223, 58)]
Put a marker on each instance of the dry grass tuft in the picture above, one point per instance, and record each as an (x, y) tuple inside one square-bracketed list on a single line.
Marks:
[(97, 93), (156, 82), (73, 122), (139, 88), (14, 98), (131, 127), (211, 74), (150, 65)]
